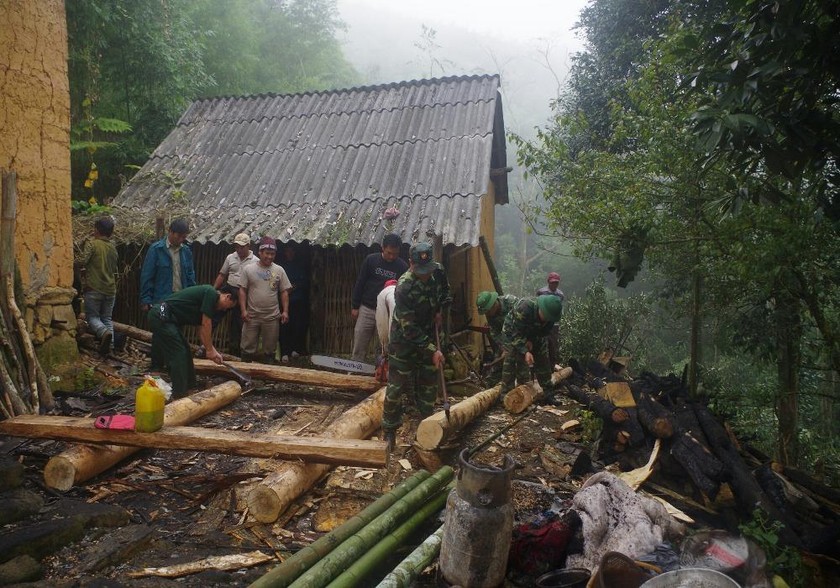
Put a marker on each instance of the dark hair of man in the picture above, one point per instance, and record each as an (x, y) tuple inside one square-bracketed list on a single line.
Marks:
[(104, 226), (232, 290), (179, 226), (391, 240)]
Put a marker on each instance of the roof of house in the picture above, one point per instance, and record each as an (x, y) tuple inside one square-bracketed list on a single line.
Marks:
[(325, 166)]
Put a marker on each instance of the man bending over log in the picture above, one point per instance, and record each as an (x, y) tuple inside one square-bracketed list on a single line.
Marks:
[(495, 309), (525, 331), (195, 305), (413, 355)]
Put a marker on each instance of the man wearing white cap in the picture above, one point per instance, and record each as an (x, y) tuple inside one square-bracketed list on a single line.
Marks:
[(230, 274)]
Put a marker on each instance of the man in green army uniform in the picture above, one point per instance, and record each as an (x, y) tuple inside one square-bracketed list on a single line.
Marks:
[(495, 308), (413, 355), (195, 305), (525, 331)]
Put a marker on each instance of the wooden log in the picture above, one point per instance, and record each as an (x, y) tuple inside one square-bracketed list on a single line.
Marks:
[(292, 375), (236, 561), (491, 267), (310, 449), (561, 374), (522, 397), (654, 417), (276, 492), (146, 337), (436, 429), (82, 462), (21, 569)]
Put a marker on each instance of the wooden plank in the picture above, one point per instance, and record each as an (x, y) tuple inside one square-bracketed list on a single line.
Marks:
[(354, 452), (293, 375)]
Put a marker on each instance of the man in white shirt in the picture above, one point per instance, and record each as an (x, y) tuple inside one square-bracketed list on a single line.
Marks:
[(384, 311), (230, 274)]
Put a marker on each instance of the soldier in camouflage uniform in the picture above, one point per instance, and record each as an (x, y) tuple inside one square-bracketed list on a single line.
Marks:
[(495, 308), (525, 332), (413, 355)]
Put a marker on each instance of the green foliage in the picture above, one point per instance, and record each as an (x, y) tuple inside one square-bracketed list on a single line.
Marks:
[(599, 320), (134, 66), (591, 425), (90, 207), (783, 561)]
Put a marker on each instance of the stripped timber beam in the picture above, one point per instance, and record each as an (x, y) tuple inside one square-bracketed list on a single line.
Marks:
[(292, 375), (434, 430), (82, 462), (351, 452)]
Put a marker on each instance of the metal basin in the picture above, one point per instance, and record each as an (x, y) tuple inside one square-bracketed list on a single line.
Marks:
[(691, 578)]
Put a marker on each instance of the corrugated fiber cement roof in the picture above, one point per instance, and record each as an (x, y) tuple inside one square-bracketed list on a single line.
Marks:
[(325, 166)]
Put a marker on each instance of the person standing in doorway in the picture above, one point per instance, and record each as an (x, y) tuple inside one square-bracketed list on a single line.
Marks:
[(263, 303), (377, 268), (293, 333), (553, 289), (167, 267), (231, 274)]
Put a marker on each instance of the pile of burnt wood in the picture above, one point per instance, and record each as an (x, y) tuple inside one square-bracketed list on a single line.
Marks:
[(699, 457)]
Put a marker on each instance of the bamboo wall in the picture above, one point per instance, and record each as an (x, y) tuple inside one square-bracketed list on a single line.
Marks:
[(333, 273)]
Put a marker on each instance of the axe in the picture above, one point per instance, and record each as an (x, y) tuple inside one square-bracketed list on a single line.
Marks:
[(442, 376)]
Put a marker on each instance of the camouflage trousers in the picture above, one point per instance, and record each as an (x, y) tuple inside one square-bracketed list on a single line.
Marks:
[(516, 372), (411, 375)]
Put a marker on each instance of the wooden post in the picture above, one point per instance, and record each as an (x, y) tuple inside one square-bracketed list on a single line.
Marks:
[(276, 492), (82, 462), (434, 430), (494, 275)]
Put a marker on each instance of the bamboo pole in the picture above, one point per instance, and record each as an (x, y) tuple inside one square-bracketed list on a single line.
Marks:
[(286, 573), (434, 430), (276, 373), (491, 267), (413, 565), (276, 491), (361, 567), (354, 547), (82, 462)]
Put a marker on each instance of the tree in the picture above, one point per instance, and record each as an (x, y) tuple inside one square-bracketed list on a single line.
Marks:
[(623, 179)]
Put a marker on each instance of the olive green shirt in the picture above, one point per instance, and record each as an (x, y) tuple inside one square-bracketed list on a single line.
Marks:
[(189, 305), (100, 262)]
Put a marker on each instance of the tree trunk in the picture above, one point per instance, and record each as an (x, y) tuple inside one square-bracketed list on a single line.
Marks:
[(276, 492), (788, 334), (434, 430), (82, 462), (309, 449), (276, 373)]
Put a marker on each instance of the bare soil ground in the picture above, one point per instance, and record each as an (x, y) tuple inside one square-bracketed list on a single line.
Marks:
[(190, 499)]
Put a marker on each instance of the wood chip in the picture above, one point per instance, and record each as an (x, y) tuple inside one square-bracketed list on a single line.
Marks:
[(406, 465), (570, 424), (555, 411), (364, 474), (224, 562)]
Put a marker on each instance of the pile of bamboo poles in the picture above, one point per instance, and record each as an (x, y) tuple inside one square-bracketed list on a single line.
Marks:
[(24, 385), (346, 555)]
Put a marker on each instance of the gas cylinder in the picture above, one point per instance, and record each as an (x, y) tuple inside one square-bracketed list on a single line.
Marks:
[(477, 525), (148, 407)]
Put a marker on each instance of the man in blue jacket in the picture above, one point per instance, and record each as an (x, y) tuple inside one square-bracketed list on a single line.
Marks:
[(168, 266)]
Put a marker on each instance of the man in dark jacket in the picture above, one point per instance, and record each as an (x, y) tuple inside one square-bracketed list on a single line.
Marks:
[(377, 268), (167, 267)]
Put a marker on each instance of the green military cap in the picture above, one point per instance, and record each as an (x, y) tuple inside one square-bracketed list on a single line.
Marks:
[(485, 301), (551, 307), (420, 255)]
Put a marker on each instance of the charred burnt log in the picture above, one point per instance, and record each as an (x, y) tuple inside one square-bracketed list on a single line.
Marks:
[(705, 470)]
